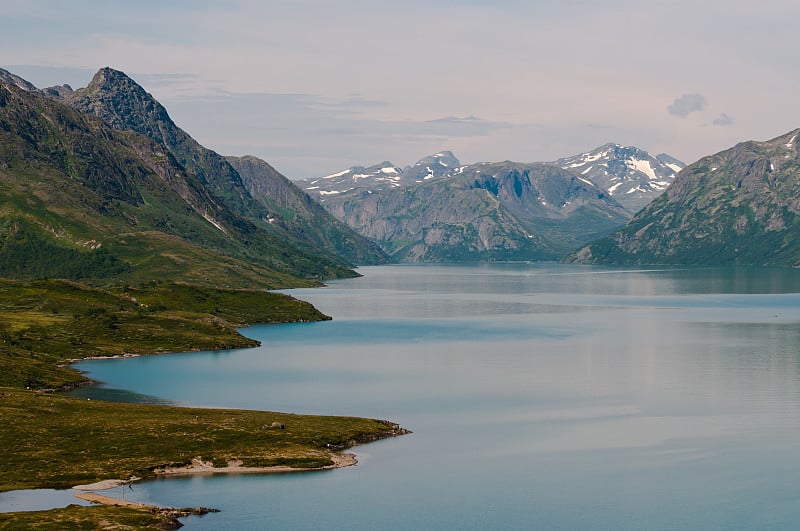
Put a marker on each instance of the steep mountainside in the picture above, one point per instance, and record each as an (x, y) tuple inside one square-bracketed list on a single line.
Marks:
[(81, 200), (631, 175), (503, 211), (122, 103), (300, 215), (740, 206)]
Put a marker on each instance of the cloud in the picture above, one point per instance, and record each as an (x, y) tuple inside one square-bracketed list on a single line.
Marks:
[(686, 104), (722, 120), (459, 126), (456, 120)]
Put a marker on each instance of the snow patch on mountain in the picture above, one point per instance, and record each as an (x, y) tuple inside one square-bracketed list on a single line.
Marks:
[(633, 176), (642, 166)]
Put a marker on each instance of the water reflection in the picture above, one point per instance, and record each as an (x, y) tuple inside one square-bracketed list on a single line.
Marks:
[(540, 396)]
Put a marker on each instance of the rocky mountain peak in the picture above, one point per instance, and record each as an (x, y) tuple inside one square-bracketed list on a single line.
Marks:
[(124, 104), (13, 79), (444, 158), (58, 92), (436, 166), (107, 78)]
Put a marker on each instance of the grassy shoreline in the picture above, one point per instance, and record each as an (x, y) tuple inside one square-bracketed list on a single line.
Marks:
[(60, 441), (46, 324)]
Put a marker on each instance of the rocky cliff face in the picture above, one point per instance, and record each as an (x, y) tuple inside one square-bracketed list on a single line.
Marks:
[(740, 206)]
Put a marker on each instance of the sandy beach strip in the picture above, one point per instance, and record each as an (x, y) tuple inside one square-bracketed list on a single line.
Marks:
[(199, 467), (108, 500)]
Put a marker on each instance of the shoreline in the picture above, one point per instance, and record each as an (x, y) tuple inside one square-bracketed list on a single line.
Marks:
[(170, 513), (108, 500), (200, 468)]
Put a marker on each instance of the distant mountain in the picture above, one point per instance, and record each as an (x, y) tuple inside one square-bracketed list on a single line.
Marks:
[(383, 176), (503, 211), (442, 164), (740, 206), (631, 175), (122, 103), (550, 208), (377, 177), (81, 200)]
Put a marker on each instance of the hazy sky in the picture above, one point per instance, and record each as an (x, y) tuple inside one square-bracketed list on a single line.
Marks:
[(315, 86)]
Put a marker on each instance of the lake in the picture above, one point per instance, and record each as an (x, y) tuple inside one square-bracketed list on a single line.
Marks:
[(540, 396)]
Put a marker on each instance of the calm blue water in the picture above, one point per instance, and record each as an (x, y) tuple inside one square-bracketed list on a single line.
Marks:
[(540, 396)]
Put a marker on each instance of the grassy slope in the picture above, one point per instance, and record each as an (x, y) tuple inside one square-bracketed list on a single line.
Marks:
[(61, 441), (77, 518), (45, 323), (82, 201)]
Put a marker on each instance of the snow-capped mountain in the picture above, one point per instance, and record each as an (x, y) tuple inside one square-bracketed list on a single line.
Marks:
[(442, 164), (440, 210), (381, 176), (498, 211), (631, 175)]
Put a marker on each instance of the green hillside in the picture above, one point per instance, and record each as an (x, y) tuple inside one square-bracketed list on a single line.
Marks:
[(738, 207), (263, 196), (81, 200)]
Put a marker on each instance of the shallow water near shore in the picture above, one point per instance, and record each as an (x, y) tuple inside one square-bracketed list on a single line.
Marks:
[(540, 396)]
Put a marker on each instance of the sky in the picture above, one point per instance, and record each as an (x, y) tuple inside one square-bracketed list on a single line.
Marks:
[(317, 86)]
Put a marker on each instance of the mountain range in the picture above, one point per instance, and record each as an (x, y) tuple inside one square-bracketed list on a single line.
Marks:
[(502, 211), (441, 210), (99, 183), (740, 206)]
